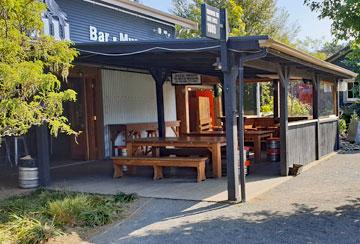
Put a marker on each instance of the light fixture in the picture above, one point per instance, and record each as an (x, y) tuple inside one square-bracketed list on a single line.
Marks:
[(217, 65)]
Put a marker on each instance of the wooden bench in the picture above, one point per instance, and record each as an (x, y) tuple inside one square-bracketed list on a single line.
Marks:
[(159, 162)]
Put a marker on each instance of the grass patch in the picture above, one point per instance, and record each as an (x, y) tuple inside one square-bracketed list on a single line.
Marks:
[(45, 214)]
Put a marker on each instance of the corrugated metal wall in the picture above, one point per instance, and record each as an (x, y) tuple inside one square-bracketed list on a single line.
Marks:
[(130, 98), (82, 14)]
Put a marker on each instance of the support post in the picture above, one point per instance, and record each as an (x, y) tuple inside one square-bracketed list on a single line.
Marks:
[(338, 115), (43, 159), (284, 73), (258, 97), (240, 105), (276, 98), (231, 131), (316, 89), (160, 76)]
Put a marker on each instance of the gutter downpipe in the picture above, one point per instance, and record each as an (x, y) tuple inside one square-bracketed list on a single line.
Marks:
[(240, 105)]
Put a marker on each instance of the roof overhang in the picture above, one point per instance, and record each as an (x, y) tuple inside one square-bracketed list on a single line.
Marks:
[(199, 56), (151, 12), (280, 49)]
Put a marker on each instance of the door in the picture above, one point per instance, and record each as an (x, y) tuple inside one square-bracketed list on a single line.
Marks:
[(79, 146)]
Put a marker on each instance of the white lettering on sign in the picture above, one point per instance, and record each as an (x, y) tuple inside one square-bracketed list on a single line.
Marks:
[(185, 79), (100, 36)]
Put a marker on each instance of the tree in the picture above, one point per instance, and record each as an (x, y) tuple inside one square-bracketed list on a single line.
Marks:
[(345, 15), (192, 11), (262, 17), (318, 48), (247, 17), (30, 67)]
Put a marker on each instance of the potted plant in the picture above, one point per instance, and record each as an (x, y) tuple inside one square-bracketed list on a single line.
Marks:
[(28, 173)]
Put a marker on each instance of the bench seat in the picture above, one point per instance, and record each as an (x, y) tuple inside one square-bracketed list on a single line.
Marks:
[(159, 162)]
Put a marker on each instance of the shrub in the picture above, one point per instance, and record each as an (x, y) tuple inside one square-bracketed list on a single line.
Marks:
[(24, 230), (342, 127), (297, 108), (125, 198), (44, 214), (349, 110), (68, 210)]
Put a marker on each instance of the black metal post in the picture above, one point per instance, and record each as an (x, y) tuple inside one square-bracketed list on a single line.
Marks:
[(316, 89), (284, 73), (43, 158), (276, 98), (231, 132), (338, 115), (240, 95), (160, 76)]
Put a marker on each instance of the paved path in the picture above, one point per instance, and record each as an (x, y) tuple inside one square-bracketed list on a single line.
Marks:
[(322, 205)]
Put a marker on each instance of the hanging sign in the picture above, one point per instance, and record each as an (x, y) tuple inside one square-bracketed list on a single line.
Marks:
[(210, 22), (185, 79)]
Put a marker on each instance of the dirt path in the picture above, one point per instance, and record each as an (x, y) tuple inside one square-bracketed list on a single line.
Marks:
[(320, 206)]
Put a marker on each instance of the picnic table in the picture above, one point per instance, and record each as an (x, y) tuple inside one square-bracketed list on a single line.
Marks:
[(256, 136), (213, 144)]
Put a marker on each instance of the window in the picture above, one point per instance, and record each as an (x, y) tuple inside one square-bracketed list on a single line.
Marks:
[(300, 99), (327, 95), (350, 95)]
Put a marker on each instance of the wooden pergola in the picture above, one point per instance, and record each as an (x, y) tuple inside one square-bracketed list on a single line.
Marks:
[(249, 57)]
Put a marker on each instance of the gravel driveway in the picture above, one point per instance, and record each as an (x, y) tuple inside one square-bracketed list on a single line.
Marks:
[(322, 205)]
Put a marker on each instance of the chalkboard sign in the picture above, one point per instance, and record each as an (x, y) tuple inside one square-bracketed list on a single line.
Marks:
[(210, 22), (185, 79)]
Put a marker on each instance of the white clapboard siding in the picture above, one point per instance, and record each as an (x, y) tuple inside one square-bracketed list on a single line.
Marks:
[(130, 97)]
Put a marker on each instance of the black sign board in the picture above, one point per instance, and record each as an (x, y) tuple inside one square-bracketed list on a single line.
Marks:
[(210, 22), (185, 79)]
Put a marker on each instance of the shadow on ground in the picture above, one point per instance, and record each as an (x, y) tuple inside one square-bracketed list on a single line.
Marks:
[(303, 225)]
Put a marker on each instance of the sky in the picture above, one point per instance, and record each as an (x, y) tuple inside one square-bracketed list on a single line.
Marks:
[(310, 25)]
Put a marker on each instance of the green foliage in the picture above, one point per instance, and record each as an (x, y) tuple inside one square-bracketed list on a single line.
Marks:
[(30, 64), (192, 11), (248, 17), (44, 214), (25, 230), (354, 117), (342, 126), (262, 17), (67, 211), (123, 197), (349, 110), (352, 62), (297, 108), (345, 16), (266, 99)]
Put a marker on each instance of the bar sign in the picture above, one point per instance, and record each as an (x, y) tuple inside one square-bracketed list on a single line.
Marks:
[(210, 22)]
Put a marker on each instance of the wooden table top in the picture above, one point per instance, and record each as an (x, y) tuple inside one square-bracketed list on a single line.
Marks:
[(258, 132), (188, 140), (207, 133)]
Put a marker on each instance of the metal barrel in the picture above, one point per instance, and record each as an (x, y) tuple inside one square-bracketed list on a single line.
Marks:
[(124, 152), (28, 177), (273, 149)]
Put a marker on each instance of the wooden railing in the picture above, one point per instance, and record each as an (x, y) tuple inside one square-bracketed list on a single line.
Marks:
[(301, 142), (309, 140), (328, 136)]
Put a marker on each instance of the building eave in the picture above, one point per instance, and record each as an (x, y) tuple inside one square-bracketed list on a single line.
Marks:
[(280, 47), (152, 12)]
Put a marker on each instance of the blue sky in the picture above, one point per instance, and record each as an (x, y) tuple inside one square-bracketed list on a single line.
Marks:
[(310, 25)]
